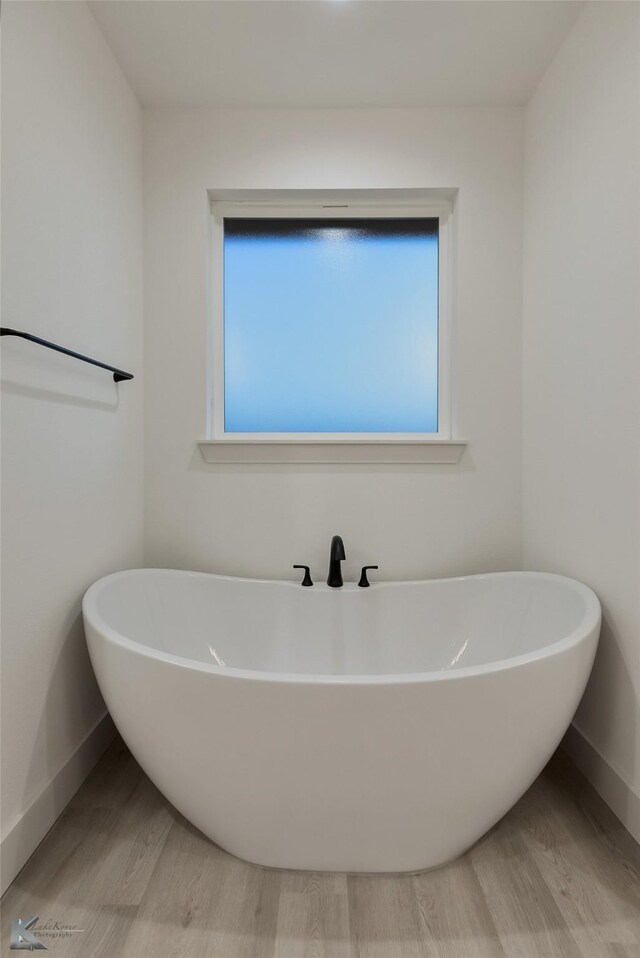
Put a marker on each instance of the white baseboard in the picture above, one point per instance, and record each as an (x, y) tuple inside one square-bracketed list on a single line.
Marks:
[(620, 797), (25, 836)]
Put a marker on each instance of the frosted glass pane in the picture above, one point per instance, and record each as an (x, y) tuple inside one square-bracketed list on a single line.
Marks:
[(331, 325)]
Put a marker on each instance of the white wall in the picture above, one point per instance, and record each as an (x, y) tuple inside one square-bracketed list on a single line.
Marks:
[(258, 520), (72, 440), (582, 359)]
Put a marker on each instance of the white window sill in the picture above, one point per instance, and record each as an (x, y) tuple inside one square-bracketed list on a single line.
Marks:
[(446, 451)]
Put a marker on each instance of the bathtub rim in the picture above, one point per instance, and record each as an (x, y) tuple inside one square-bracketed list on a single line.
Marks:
[(591, 620)]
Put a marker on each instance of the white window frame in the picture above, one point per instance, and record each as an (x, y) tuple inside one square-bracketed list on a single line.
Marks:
[(437, 446)]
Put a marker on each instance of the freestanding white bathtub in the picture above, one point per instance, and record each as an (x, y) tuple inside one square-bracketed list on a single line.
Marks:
[(381, 729)]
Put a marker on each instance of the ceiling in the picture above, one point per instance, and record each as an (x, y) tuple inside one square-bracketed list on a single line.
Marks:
[(334, 53)]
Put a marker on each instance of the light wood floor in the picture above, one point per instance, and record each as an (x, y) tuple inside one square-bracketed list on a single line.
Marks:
[(558, 876)]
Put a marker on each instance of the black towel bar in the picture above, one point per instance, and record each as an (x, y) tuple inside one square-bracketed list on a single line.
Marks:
[(118, 374)]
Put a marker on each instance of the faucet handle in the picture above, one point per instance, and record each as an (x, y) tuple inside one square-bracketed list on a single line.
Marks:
[(364, 582), (307, 574)]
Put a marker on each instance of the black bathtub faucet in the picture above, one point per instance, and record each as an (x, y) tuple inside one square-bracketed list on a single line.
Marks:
[(336, 555)]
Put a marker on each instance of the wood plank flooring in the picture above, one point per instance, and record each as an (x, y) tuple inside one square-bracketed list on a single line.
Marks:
[(558, 877)]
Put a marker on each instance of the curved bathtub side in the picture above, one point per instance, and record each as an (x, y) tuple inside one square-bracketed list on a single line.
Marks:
[(339, 776)]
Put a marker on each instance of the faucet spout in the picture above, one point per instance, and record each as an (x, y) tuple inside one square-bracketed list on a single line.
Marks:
[(336, 555)]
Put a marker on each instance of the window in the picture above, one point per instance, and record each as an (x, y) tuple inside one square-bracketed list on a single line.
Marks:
[(330, 323)]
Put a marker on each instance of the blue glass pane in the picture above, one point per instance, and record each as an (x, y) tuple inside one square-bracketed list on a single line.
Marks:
[(331, 325)]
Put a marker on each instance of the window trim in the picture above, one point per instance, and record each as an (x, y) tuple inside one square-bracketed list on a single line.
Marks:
[(282, 446)]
